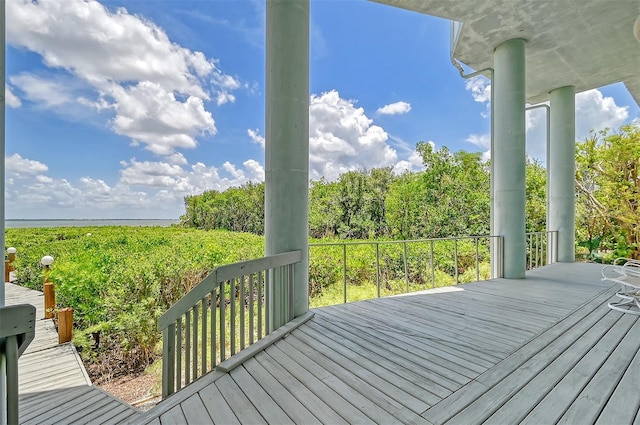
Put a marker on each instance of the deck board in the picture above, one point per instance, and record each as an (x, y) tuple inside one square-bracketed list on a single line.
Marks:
[(503, 351), (626, 397), (380, 354), (477, 352), (286, 401)]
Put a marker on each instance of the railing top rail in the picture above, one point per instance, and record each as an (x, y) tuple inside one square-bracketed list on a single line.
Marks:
[(541, 232), (402, 241), (221, 274)]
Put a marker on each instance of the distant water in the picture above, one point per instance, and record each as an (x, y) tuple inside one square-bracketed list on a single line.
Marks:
[(83, 223)]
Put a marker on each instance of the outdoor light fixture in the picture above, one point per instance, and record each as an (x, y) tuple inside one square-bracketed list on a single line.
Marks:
[(11, 250), (46, 261), (636, 29)]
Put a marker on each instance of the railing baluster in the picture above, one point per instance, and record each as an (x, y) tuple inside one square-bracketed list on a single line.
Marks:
[(378, 268), (241, 305), (179, 354), (168, 362), (475, 239), (455, 250), (251, 308), (406, 268), (344, 270), (222, 319), (433, 270), (187, 351), (214, 329), (268, 293), (291, 289), (203, 343), (261, 302), (194, 356), (232, 316)]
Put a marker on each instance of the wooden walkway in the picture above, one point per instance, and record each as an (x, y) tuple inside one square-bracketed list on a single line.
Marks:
[(541, 350), (53, 384)]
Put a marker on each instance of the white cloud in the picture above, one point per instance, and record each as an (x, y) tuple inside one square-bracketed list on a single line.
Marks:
[(11, 99), (145, 189), (149, 114), (413, 163), (342, 138), (16, 165), (597, 112), (593, 112), (255, 137), (480, 88), (396, 108), (46, 92), (155, 87)]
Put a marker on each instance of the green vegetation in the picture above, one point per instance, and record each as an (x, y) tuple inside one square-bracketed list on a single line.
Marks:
[(119, 280), (608, 186)]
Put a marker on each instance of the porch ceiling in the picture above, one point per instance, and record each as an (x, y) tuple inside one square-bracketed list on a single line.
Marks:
[(585, 43)]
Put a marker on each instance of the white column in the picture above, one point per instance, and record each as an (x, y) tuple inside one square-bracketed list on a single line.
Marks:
[(287, 138), (561, 171), (3, 385), (508, 154)]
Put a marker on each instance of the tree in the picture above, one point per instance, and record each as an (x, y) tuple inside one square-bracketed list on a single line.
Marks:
[(536, 197), (608, 184)]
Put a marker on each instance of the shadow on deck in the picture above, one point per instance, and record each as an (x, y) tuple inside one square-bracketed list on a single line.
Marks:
[(540, 350)]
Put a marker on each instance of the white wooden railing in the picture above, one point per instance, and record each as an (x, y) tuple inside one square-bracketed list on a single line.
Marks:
[(17, 330), (233, 307)]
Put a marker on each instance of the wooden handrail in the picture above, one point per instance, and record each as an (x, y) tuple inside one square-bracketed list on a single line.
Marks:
[(255, 296)]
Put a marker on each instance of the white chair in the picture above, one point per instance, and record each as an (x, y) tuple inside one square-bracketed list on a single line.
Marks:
[(626, 272)]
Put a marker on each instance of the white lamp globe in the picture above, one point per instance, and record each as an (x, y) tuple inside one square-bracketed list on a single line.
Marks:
[(47, 260), (11, 250)]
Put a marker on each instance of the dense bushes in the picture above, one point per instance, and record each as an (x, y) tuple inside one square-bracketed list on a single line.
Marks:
[(119, 280)]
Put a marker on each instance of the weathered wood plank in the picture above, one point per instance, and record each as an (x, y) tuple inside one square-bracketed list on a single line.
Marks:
[(57, 414), (316, 378), (50, 401), (264, 404), (424, 340), (195, 411), (556, 386), (592, 399), (420, 314), (370, 393), (108, 411), (562, 333), (304, 395), (624, 403), (239, 403), (405, 364), (173, 416), (217, 407), (281, 396), (489, 402), (125, 417)]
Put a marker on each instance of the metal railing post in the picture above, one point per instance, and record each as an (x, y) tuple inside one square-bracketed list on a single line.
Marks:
[(344, 270)]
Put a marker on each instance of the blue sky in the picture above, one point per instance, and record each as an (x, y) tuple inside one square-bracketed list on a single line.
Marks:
[(118, 109)]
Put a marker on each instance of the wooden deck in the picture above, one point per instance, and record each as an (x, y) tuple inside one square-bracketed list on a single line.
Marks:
[(542, 350), (53, 384)]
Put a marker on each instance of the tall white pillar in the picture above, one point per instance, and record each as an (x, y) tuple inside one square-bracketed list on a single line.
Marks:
[(508, 155), (3, 392), (561, 171), (287, 138)]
